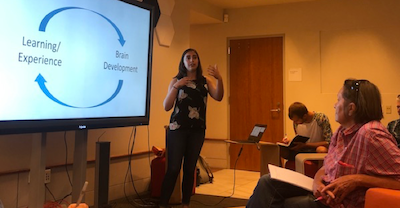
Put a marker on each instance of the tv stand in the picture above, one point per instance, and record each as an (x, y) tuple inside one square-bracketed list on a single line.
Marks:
[(80, 163), (38, 166)]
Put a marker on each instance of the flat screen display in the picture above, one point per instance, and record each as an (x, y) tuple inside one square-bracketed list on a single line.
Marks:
[(74, 64)]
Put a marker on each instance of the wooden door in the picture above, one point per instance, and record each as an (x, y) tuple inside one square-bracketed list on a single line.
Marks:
[(256, 92)]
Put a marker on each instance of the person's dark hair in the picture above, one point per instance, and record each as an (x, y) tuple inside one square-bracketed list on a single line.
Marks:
[(367, 98), (297, 109), (182, 69)]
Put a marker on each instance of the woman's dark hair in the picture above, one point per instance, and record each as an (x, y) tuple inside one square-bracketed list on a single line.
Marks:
[(297, 109), (367, 98), (182, 69)]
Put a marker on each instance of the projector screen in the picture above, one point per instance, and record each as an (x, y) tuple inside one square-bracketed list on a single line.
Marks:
[(74, 64)]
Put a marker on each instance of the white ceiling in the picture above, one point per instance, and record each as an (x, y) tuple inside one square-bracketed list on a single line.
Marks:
[(198, 18)]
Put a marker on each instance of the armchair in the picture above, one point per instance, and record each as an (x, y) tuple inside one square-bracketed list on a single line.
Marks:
[(382, 198), (302, 157)]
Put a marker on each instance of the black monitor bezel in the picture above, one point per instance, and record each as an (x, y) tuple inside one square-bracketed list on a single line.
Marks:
[(52, 125)]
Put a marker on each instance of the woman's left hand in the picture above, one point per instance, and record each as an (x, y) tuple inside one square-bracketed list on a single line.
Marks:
[(213, 71)]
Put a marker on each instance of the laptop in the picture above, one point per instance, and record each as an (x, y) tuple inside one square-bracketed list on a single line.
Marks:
[(254, 137)]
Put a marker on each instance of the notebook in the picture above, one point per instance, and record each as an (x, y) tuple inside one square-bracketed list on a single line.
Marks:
[(297, 138), (254, 137), (290, 176)]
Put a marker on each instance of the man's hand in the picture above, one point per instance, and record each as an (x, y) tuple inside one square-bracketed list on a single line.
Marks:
[(285, 140), (319, 191), (341, 187)]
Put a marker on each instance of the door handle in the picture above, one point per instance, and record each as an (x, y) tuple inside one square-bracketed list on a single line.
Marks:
[(276, 110)]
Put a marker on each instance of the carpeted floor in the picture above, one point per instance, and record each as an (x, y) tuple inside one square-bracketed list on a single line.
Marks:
[(202, 201), (197, 201)]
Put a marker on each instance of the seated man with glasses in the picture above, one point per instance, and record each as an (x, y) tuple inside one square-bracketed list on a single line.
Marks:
[(311, 124), (362, 154), (394, 126)]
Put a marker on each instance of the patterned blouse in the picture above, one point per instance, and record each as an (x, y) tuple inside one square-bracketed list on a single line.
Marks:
[(190, 106)]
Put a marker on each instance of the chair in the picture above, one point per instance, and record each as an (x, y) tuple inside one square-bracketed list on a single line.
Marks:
[(310, 167), (301, 158), (382, 198)]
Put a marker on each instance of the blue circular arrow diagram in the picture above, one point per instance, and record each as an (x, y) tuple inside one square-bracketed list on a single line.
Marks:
[(41, 82), (40, 79), (47, 18)]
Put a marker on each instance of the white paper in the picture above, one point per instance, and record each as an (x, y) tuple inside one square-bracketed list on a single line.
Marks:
[(295, 75), (290, 176)]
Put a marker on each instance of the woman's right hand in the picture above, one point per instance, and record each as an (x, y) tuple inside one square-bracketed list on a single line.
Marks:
[(182, 82)]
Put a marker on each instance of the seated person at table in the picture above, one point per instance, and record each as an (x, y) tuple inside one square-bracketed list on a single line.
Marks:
[(362, 154), (310, 124), (394, 126)]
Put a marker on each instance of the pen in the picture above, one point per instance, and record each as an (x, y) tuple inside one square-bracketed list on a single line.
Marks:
[(345, 164), (317, 199)]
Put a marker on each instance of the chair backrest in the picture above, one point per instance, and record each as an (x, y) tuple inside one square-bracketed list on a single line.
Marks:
[(382, 198), (301, 157)]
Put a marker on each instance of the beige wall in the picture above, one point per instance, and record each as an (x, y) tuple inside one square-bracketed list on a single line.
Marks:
[(328, 40)]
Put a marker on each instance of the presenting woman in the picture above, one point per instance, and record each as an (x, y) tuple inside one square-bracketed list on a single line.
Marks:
[(187, 93)]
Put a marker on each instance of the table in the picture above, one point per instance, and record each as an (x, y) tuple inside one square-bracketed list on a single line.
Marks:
[(269, 154)]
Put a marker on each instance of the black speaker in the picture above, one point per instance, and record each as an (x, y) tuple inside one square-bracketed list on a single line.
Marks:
[(102, 171)]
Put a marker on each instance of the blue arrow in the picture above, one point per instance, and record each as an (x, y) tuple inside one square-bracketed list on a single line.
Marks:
[(46, 19), (112, 96), (121, 38), (41, 81)]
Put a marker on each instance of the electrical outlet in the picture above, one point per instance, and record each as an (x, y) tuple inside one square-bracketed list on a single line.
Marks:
[(389, 109), (47, 175)]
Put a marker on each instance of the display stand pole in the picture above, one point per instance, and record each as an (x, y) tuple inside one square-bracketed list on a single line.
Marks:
[(38, 165), (101, 178), (80, 163)]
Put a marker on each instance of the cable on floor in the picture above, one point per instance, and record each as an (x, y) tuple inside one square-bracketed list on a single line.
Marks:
[(140, 202), (234, 183)]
